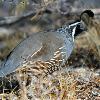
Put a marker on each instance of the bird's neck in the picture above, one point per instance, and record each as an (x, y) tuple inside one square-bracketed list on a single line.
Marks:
[(62, 29)]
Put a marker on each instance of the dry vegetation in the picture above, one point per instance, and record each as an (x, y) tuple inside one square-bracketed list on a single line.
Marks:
[(78, 80)]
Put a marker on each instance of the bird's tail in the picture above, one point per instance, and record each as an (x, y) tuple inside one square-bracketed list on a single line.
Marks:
[(2, 74)]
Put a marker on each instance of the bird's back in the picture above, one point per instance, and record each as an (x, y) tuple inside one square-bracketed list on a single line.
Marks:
[(39, 46)]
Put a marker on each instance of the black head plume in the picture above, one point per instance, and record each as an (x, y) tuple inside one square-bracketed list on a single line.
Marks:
[(87, 17), (88, 12)]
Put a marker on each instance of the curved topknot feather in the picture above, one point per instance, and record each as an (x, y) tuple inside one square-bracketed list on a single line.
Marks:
[(88, 12)]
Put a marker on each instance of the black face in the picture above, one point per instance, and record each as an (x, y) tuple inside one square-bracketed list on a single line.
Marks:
[(78, 26), (79, 30)]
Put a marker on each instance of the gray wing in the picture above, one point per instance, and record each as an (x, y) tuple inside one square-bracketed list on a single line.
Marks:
[(24, 49), (47, 43)]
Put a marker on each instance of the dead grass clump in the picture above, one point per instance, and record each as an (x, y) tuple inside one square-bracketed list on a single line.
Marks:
[(67, 84)]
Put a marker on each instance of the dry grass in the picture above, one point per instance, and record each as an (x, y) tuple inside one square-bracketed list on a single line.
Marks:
[(67, 84)]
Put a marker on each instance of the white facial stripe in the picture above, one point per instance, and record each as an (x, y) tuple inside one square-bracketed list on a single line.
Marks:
[(73, 33), (74, 24)]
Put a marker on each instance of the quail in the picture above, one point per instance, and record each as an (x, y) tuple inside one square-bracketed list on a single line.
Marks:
[(51, 49)]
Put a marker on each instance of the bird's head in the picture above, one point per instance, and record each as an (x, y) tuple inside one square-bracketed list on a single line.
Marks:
[(81, 25), (87, 17)]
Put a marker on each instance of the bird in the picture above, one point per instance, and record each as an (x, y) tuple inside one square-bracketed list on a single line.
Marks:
[(49, 48)]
